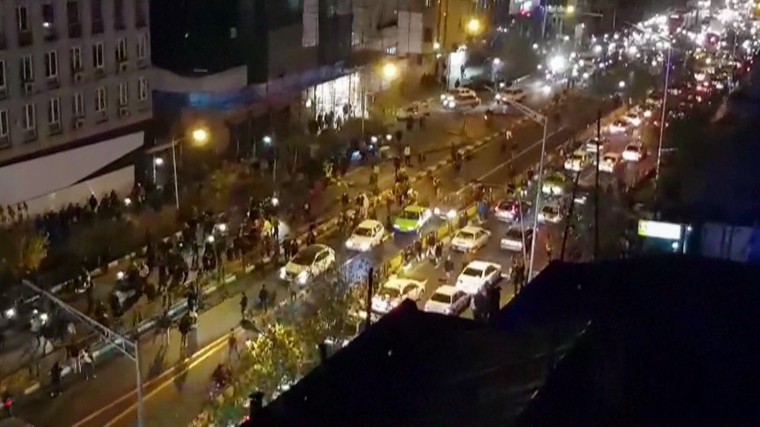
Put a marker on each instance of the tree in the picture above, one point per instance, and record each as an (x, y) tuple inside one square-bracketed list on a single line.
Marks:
[(21, 251)]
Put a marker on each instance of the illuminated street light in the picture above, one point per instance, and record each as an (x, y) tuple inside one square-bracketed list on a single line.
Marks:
[(267, 140), (390, 71), (570, 9), (496, 61), (557, 63), (158, 161), (436, 46), (621, 84), (200, 136), (474, 26)]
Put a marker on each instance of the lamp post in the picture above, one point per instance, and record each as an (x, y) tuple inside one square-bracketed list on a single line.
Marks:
[(128, 348), (157, 162), (267, 140), (199, 137), (541, 120), (389, 72)]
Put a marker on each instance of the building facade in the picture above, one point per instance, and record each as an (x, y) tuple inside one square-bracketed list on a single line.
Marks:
[(75, 97)]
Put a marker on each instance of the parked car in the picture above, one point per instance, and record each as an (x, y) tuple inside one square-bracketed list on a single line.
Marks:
[(478, 275), (394, 291), (517, 239), (367, 235), (470, 238), (448, 300), (309, 263)]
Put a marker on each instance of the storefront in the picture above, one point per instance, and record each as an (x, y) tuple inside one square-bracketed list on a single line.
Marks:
[(337, 97)]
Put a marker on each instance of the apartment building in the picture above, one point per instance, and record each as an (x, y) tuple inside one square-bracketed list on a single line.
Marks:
[(75, 97)]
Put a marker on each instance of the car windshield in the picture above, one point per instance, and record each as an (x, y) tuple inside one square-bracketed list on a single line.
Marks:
[(465, 235), (306, 256), (472, 272), (555, 178), (610, 159), (442, 298), (407, 214), (507, 206), (550, 209), (619, 123), (578, 157), (514, 234), (363, 231), (389, 292)]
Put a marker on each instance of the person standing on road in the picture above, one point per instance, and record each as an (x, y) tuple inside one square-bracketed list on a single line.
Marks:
[(408, 156), (243, 304), (88, 363), (55, 379), (264, 298), (548, 252), (184, 328), (232, 346), (448, 267)]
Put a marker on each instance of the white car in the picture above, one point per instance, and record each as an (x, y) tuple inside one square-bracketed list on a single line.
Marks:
[(514, 238), (618, 126), (478, 275), (453, 93), (632, 118), (578, 161), (413, 111), (394, 291), (507, 95), (609, 163), (462, 101), (551, 212), (507, 210), (448, 300), (469, 238), (591, 145), (309, 263), (367, 235), (633, 152)]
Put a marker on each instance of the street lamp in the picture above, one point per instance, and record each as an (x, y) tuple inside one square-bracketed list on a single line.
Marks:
[(199, 138), (541, 120), (124, 345), (474, 26), (390, 71), (621, 84)]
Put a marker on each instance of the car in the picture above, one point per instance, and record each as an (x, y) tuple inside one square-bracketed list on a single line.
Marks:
[(512, 94), (610, 162), (469, 238), (618, 126), (453, 93), (591, 145), (517, 239), (478, 275), (414, 111), (554, 184), (309, 263), (632, 118), (508, 210), (367, 235), (412, 218), (551, 212), (462, 101), (448, 300), (446, 207), (394, 291), (634, 152), (578, 161)]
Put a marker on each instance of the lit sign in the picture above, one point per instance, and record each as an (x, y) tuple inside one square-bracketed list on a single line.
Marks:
[(662, 230)]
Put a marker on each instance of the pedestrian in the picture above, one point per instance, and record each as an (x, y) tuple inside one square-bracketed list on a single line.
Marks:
[(88, 363), (55, 379), (232, 345), (264, 298), (243, 304), (7, 400), (408, 156), (184, 329), (448, 267), (73, 355)]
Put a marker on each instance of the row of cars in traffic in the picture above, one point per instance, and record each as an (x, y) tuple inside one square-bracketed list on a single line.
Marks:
[(459, 99)]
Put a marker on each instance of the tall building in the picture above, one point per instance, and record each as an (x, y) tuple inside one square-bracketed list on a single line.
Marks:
[(75, 98)]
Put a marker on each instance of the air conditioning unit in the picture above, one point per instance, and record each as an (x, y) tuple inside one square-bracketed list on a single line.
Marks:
[(78, 123), (78, 77), (123, 112), (28, 88), (123, 66)]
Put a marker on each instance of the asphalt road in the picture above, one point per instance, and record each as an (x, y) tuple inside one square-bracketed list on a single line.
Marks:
[(82, 400)]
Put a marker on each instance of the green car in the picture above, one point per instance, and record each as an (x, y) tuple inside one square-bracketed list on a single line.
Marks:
[(554, 184), (412, 218)]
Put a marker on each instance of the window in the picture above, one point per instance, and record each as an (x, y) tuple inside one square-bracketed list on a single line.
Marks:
[(427, 35), (97, 55), (4, 123), (121, 50), (76, 58), (72, 19), (30, 118), (48, 16), (142, 46), (51, 64), (77, 103), (96, 14), (142, 89), (27, 68), (2, 75), (54, 111), (123, 94), (141, 18), (118, 15), (22, 18), (100, 100)]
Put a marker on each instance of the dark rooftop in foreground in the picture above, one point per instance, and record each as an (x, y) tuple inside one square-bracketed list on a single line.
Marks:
[(665, 341)]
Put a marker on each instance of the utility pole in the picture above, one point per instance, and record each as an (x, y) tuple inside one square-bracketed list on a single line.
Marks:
[(596, 182), (370, 278)]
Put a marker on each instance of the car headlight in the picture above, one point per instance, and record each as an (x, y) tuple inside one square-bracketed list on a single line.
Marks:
[(10, 313), (451, 214), (283, 273), (43, 317), (437, 211), (349, 244), (447, 310), (302, 277)]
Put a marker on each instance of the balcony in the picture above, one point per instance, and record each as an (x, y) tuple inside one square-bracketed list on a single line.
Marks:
[(3, 42), (101, 116), (100, 72), (118, 24), (25, 38), (5, 141), (141, 21), (30, 135), (97, 26), (51, 35), (55, 129), (75, 30), (53, 82)]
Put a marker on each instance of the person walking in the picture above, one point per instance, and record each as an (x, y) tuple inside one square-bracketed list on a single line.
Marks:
[(55, 379), (448, 267), (408, 156), (243, 304), (232, 346), (185, 324), (264, 298), (88, 363)]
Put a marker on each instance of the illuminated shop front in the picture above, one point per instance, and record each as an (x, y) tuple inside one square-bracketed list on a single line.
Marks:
[(336, 96)]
